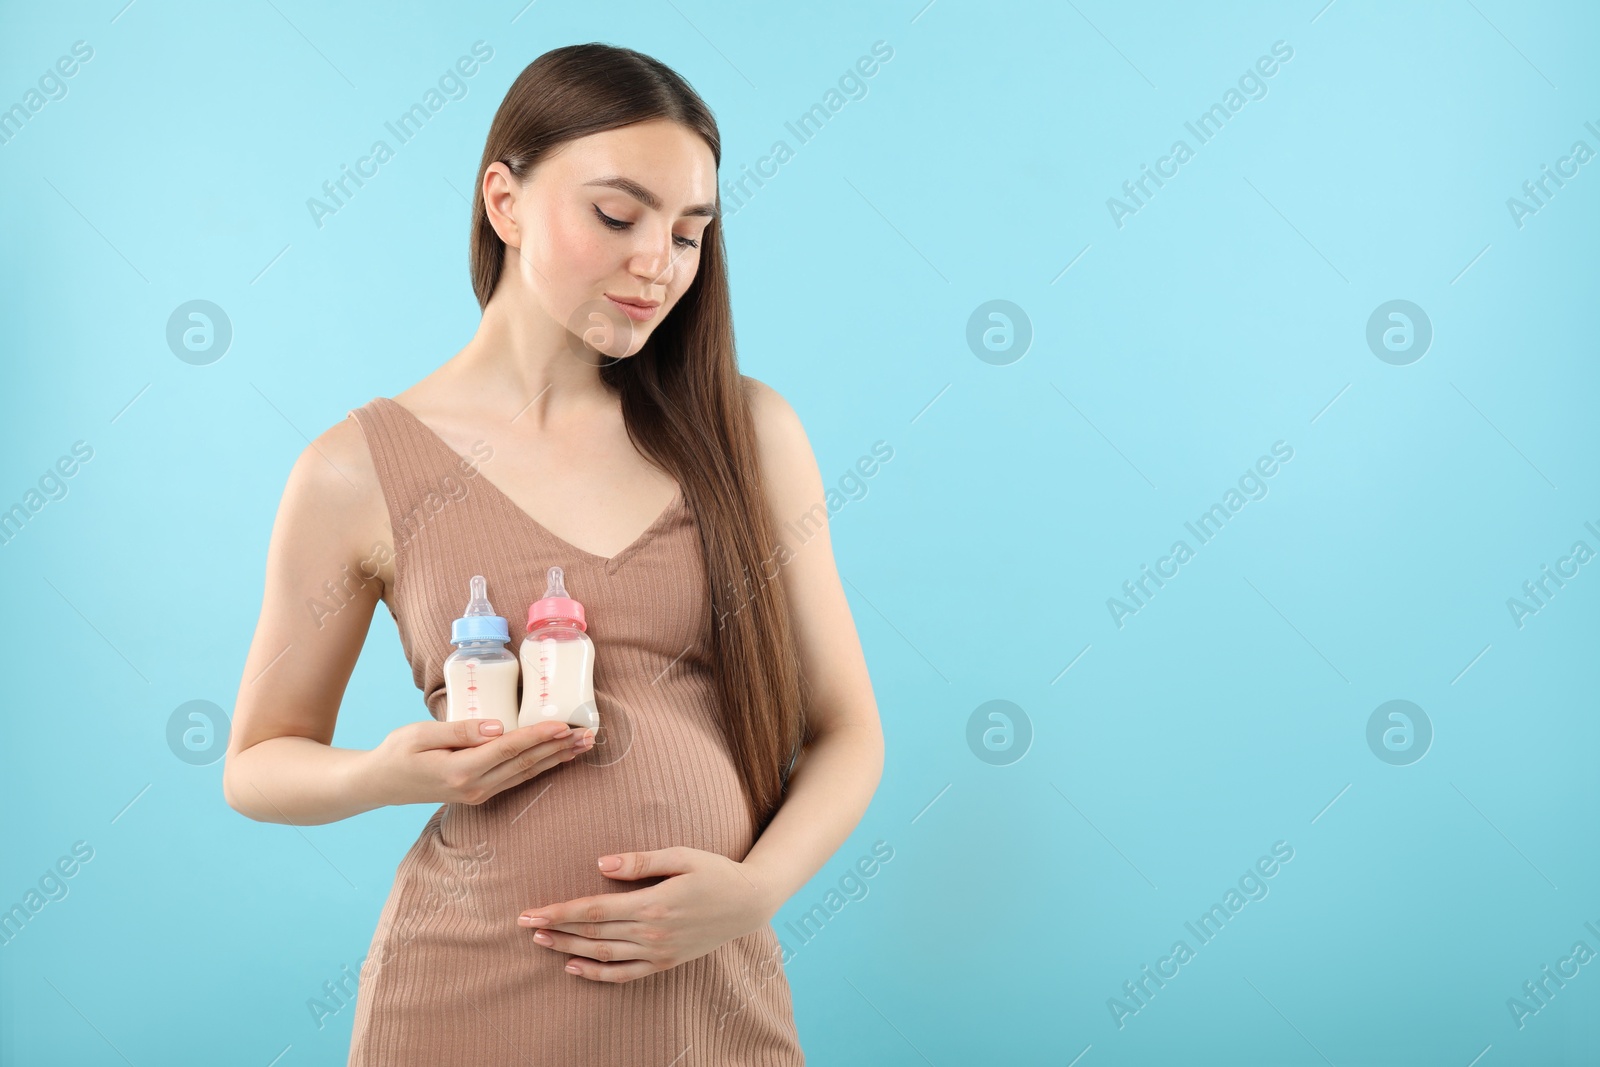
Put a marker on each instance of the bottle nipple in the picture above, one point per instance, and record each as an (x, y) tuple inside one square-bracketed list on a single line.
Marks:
[(479, 604), (556, 603), (554, 585), (479, 622)]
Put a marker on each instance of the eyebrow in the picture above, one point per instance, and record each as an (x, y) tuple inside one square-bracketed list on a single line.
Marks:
[(647, 198)]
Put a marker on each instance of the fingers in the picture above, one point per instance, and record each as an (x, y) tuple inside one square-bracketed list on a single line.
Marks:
[(600, 951), (611, 959), (486, 759), (663, 861), (611, 972), (603, 908), (616, 930), (462, 733), (535, 761)]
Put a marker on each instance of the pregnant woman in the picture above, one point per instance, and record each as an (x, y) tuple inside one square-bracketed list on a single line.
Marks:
[(577, 900)]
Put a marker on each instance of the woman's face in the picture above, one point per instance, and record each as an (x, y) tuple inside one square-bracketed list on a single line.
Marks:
[(610, 228)]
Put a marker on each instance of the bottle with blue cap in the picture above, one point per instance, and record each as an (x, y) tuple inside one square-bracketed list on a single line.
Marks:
[(480, 676)]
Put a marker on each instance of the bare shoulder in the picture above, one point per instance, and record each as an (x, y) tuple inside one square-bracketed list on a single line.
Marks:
[(779, 433), (337, 469), (332, 495), (788, 465)]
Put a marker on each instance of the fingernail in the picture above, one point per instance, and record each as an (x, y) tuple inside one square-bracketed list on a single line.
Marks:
[(564, 732), (583, 742), (610, 863), (491, 726), (572, 968), (532, 920), (544, 938)]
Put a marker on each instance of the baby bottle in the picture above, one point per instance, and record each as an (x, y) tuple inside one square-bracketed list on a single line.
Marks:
[(480, 676), (558, 662)]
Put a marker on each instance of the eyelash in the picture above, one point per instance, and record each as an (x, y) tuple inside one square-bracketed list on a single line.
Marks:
[(618, 224)]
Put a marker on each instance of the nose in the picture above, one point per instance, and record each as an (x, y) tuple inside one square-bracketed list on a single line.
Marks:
[(654, 258)]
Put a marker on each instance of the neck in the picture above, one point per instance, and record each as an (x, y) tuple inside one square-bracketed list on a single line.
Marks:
[(522, 358)]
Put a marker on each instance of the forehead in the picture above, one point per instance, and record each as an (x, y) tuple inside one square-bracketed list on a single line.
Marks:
[(666, 158)]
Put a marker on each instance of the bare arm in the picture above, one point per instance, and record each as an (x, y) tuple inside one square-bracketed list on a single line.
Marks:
[(280, 763), (837, 774)]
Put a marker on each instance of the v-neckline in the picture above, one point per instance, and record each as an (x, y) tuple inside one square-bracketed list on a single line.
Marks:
[(609, 563)]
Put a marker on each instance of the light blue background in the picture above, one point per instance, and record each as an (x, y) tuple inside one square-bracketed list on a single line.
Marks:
[(1227, 314)]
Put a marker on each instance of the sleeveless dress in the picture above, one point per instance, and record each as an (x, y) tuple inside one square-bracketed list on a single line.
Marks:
[(450, 978)]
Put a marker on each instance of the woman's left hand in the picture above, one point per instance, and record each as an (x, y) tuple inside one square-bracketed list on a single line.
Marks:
[(707, 900)]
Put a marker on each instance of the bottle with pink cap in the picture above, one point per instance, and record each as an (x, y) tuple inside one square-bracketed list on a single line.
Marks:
[(557, 661)]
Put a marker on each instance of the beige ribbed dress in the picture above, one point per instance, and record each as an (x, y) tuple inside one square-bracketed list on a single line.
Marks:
[(450, 978)]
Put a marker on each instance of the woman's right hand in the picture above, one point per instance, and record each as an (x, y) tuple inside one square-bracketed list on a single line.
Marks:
[(470, 760)]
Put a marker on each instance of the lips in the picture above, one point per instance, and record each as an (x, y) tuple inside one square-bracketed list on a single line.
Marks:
[(637, 311)]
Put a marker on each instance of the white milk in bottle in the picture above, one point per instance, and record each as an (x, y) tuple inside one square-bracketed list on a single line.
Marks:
[(480, 676), (558, 662)]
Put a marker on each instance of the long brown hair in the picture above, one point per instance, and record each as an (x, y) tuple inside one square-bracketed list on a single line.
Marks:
[(683, 399)]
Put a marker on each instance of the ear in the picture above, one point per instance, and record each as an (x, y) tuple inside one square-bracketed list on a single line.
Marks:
[(500, 193)]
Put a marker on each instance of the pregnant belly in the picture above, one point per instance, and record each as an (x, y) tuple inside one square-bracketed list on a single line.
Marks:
[(538, 843)]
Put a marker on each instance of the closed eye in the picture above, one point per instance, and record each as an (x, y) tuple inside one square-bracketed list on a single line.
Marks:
[(618, 224)]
